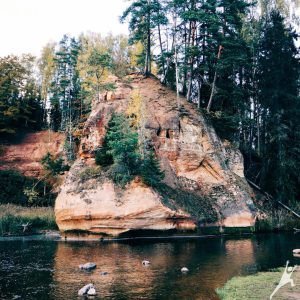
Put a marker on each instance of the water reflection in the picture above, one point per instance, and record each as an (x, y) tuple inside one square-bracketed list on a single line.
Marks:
[(49, 269), (211, 263)]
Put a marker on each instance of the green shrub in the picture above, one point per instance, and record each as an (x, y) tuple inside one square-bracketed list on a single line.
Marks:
[(102, 156), (89, 173), (150, 170), (121, 174), (120, 151), (54, 166)]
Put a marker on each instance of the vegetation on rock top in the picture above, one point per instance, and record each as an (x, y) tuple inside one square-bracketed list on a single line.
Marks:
[(242, 70), (121, 153)]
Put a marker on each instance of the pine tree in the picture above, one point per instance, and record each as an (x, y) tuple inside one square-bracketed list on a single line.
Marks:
[(150, 170), (122, 142), (278, 77), (144, 16), (66, 92), (20, 105)]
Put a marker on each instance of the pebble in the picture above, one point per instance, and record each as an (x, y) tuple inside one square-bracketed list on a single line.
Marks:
[(184, 269), (83, 291), (146, 262), (88, 266)]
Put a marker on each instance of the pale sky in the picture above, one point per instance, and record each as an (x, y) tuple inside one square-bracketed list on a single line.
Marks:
[(27, 25)]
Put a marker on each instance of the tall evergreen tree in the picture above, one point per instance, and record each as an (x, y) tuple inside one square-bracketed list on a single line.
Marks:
[(122, 142), (65, 91), (46, 67), (278, 83), (144, 16), (20, 105)]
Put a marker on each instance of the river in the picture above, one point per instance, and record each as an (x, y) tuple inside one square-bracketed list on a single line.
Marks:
[(32, 268)]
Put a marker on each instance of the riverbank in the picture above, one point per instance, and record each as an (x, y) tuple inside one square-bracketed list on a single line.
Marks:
[(42, 219), (12, 217), (260, 286)]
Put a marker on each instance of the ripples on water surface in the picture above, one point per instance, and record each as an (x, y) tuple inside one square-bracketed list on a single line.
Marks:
[(43, 269)]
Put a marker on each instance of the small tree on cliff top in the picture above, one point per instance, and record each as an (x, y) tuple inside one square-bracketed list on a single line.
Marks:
[(122, 144), (150, 170), (121, 151)]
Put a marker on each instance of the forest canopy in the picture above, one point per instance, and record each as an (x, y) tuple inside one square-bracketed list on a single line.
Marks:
[(237, 61)]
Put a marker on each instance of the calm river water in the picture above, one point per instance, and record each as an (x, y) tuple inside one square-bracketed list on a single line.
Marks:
[(45, 269)]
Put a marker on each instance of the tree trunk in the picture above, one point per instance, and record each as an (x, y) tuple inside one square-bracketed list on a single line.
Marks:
[(176, 61), (161, 50), (199, 93), (191, 61), (214, 81), (148, 50)]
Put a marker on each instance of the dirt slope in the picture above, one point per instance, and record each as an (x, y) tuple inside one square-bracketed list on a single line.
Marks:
[(26, 155)]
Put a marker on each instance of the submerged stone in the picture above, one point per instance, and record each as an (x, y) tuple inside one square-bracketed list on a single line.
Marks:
[(84, 290), (184, 269), (88, 266)]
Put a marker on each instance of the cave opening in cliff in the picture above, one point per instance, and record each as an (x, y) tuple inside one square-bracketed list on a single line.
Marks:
[(168, 133), (158, 132)]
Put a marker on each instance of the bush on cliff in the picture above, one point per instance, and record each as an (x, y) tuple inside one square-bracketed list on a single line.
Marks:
[(150, 170), (102, 155), (122, 143), (120, 151), (54, 166)]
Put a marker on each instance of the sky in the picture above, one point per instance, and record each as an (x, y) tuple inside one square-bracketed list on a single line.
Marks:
[(28, 25)]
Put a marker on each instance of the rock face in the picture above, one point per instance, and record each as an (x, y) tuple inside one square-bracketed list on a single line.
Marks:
[(100, 207), (204, 177), (26, 155)]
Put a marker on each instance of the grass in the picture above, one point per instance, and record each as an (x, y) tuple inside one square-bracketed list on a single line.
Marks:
[(280, 220), (258, 286), (13, 216)]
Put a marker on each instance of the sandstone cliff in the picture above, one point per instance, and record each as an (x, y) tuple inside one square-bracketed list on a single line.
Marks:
[(204, 182), (25, 156)]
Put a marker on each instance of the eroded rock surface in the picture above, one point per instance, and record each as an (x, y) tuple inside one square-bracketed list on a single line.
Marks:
[(25, 156), (204, 177)]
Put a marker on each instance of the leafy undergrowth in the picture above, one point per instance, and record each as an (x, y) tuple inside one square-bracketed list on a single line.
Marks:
[(22, 190), (275, 218), (12, 217), (198, 207), (258, 286)]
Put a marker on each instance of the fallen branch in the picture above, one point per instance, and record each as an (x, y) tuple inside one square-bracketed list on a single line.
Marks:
[(269, 197)]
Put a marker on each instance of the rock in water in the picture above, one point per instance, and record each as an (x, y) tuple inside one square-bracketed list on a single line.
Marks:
[(88, 266), (184, 270), (83, 291), (91, 292), (146, 262), (103, 273)]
